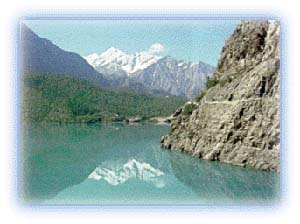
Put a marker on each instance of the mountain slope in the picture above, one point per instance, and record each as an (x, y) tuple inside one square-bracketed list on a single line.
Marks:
[(61, 98), (114, 62), (153, 72), (236, 118), (176, 77), (41, 55)]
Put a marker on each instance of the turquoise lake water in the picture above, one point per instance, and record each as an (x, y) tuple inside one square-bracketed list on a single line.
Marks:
[(124, 164)]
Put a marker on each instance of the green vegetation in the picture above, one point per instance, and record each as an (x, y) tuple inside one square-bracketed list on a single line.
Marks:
[(200, 96), (188, 108), (225, 80), (211, 82), (59, 98)]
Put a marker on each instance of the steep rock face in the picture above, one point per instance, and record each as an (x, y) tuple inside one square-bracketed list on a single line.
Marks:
[(236, 118)]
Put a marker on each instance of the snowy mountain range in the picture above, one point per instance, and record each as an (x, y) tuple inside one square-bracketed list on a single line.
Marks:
[(154, 72), (146, 70), (115, 61), (116, 175)]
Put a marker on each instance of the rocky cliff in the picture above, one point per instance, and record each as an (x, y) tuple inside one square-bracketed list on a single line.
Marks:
[(235, 119)]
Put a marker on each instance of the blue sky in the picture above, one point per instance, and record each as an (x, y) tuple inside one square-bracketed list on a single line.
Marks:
[(190, 40)]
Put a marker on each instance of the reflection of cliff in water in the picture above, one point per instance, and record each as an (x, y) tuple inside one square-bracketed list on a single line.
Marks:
[(220, 182), (127, 158)]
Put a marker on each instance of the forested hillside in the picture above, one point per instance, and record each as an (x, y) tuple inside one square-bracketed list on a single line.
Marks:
[(60, 98)]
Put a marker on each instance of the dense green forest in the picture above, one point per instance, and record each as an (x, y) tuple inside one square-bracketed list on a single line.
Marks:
[(60, 98)]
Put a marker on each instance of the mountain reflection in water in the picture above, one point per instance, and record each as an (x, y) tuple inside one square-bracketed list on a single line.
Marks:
[(118, 163), (131, 169)]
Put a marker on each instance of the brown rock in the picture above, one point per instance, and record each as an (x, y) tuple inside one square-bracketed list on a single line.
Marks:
[(237, 120)]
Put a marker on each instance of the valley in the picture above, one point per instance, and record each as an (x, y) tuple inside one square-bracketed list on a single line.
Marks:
[(132, 124)]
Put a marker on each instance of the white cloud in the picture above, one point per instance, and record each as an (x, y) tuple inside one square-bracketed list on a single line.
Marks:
[(156, 48)]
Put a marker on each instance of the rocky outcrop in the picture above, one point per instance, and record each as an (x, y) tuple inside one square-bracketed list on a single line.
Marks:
[(161, 120), (236, 118), (134, 119)]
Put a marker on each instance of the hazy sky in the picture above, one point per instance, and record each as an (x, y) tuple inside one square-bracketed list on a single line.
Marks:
[(190, 40)]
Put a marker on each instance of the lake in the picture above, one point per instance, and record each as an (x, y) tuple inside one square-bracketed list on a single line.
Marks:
[(124, 164)]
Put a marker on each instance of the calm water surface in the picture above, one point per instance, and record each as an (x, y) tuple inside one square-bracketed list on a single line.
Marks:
[(121, 164)]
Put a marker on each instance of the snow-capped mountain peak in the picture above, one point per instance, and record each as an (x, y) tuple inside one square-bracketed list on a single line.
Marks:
[(115, 61), (113, 53), (148, 70), (132, 169)]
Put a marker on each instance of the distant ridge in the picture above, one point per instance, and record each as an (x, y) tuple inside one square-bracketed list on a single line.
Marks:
[(156, 73), (41, 55), (115, 61)]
